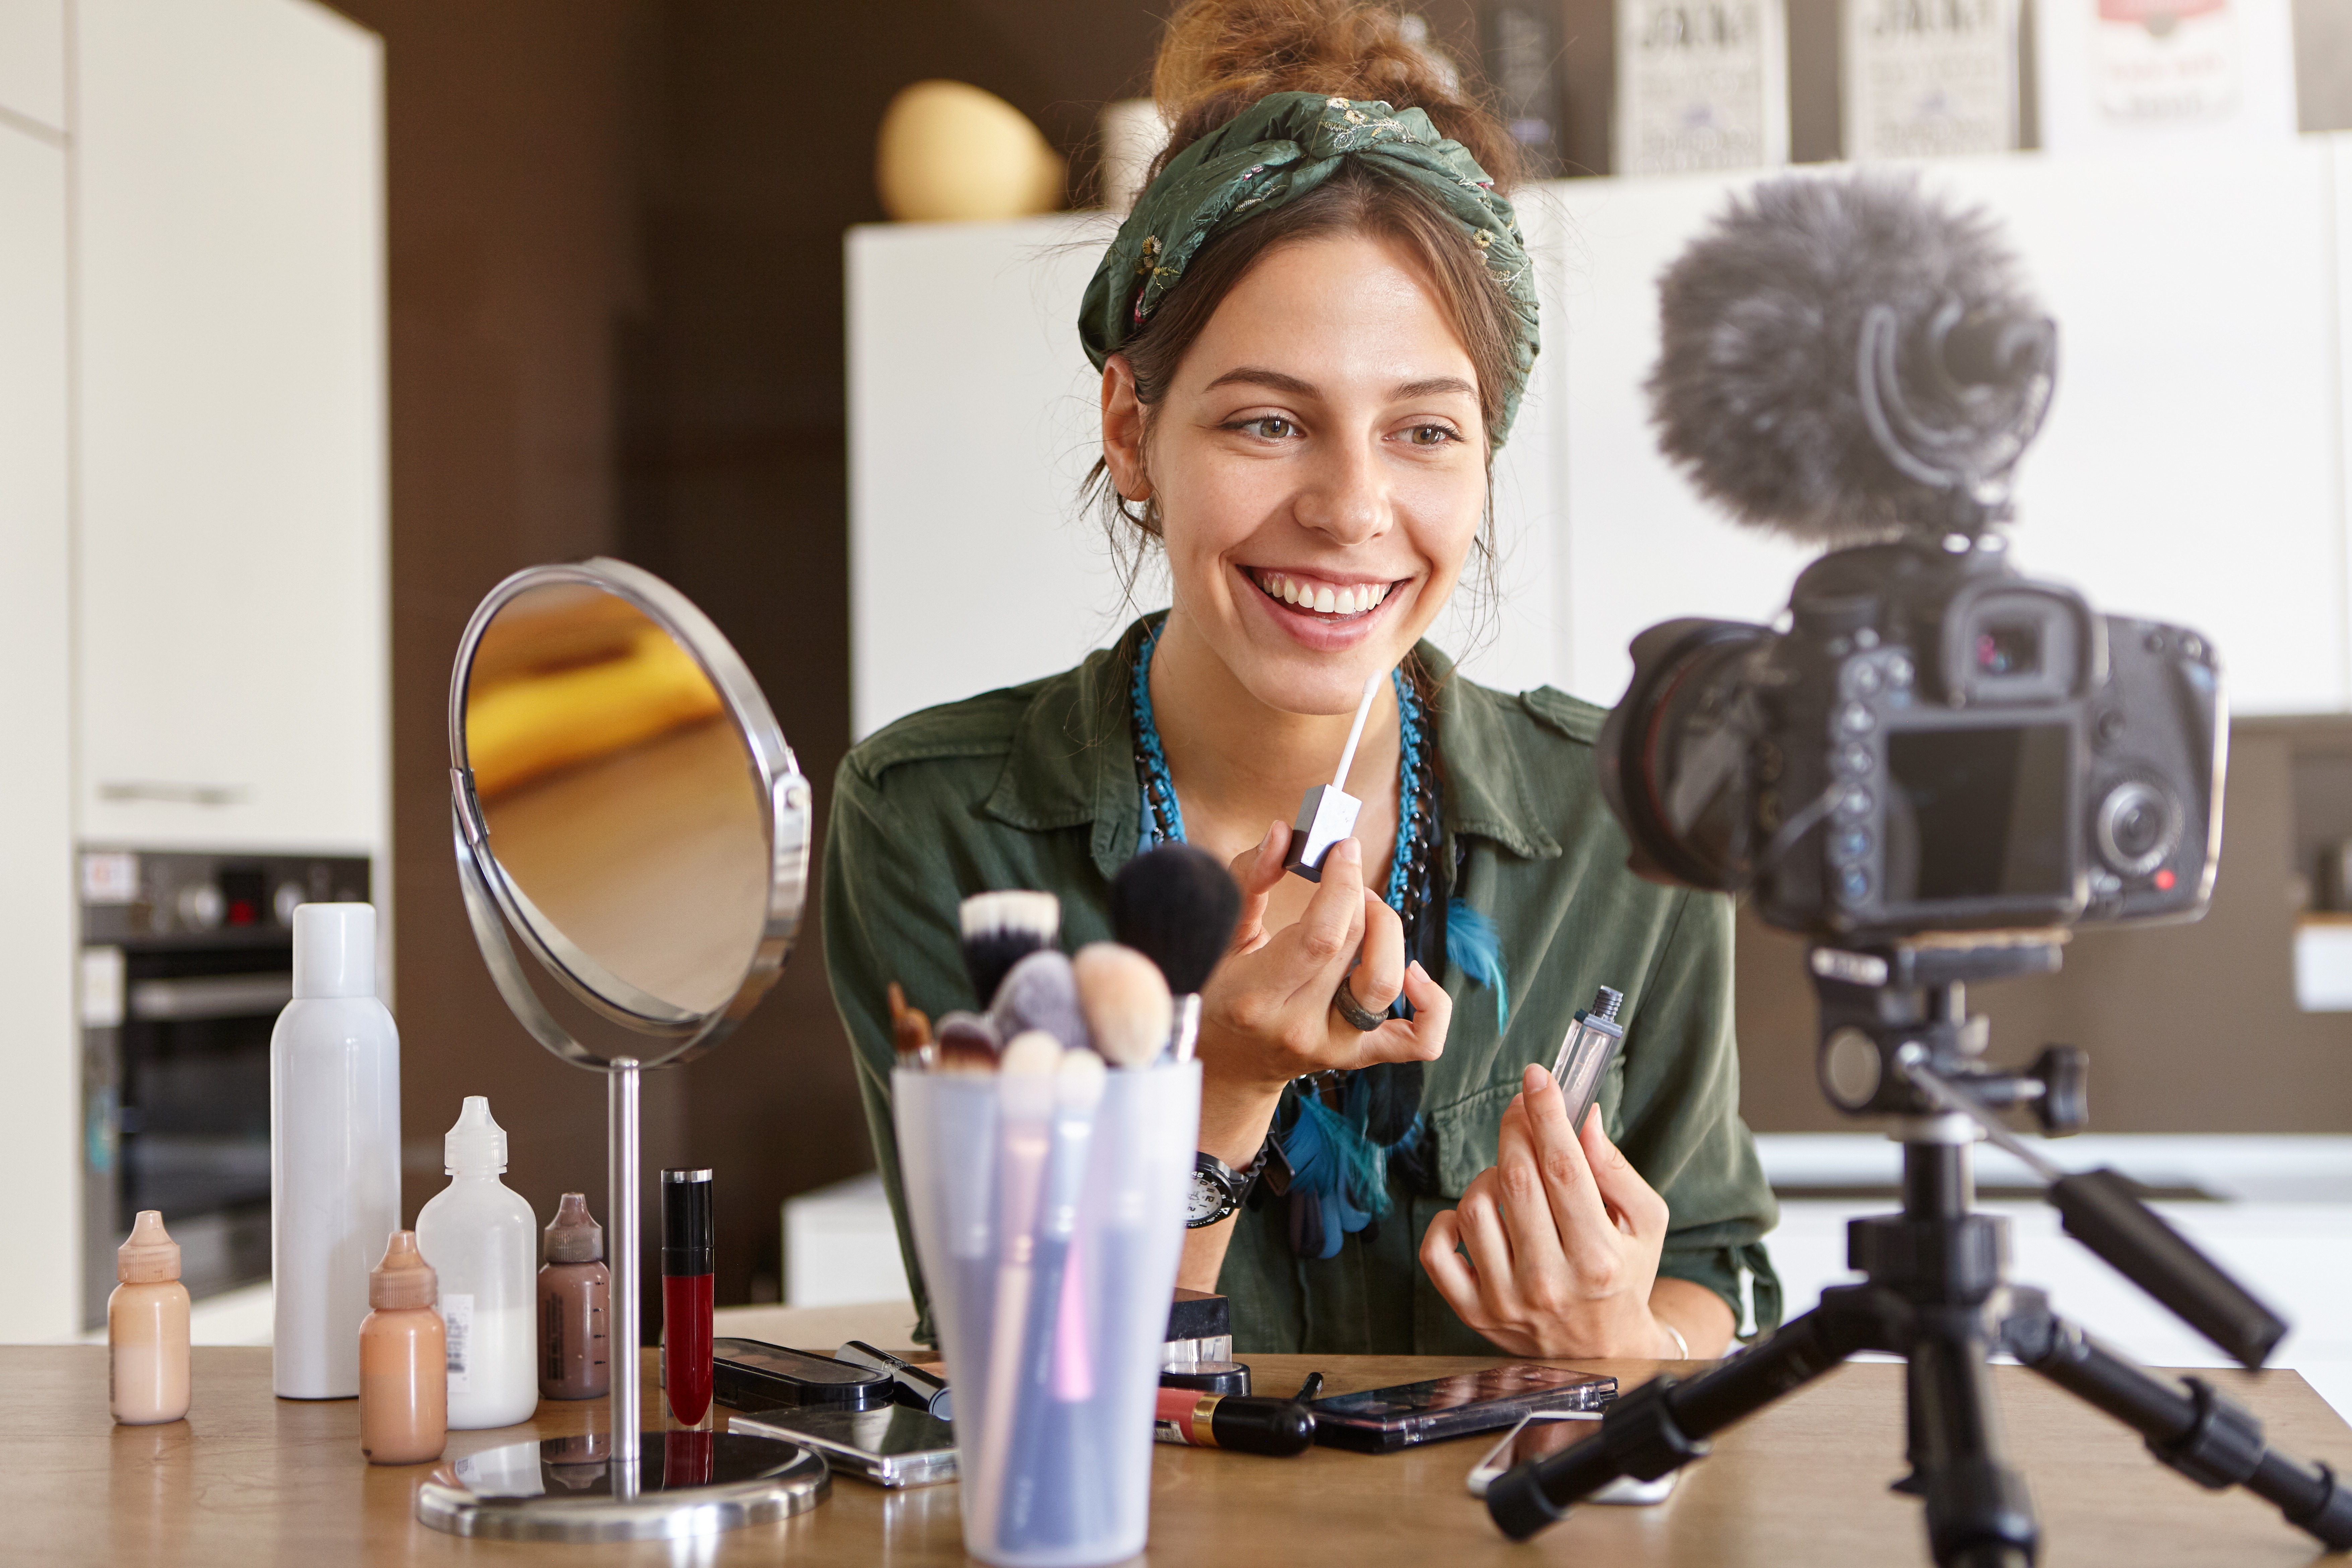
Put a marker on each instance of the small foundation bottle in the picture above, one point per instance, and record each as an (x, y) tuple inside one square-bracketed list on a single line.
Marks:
[(147, 1327), (575, 1290), (403, 1360)]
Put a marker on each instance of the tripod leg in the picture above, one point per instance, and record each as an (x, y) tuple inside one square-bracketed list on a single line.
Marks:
[(1978, 1513), (1662, 1425), (2187, 1424)]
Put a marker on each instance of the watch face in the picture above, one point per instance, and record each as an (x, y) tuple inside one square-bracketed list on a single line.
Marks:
[(1206, 1200)]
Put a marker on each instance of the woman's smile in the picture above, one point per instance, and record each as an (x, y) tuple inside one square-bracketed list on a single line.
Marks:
[(1321, 610)]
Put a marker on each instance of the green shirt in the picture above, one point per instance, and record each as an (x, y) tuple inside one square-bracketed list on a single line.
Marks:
[(1035, 787)]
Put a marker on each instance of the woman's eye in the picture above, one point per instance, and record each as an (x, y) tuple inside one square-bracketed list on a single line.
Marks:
[(1268, 427), (1431, 435)]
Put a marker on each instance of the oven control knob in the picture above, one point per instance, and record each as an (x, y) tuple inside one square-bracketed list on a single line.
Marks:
[(289, 897), (201, 906)]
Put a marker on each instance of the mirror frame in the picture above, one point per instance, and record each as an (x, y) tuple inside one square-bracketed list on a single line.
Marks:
[(494, 904)]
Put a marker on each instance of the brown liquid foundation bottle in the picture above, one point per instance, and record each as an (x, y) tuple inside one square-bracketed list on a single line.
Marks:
[(403, 1360), (574, 1291)]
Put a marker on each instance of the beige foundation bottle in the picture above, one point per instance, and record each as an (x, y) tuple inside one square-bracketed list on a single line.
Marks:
[(403, 1360), (147, 1327)]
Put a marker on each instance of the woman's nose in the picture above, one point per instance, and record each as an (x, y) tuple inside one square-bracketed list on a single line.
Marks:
[(1345, 498)]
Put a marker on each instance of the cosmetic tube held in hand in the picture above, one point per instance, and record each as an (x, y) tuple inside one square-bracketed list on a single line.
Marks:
[(147, 1327), (1585, 1055), (334, 1152), (575, 1293), (687, 1236), (404, 1356)]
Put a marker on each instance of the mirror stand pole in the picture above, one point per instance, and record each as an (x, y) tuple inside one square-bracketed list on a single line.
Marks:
[(625, 1359)]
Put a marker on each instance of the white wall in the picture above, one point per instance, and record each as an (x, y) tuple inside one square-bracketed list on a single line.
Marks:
[(2193, 466), (39, 1152)]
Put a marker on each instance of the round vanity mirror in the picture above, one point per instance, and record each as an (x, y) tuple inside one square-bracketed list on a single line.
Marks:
[(624, 799), (627, 808)]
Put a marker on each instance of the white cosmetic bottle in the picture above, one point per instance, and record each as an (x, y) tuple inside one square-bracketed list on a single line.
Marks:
[(483, 1241), (334, 1150)]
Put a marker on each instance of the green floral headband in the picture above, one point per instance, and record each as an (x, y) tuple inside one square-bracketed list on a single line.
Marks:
[(1278, 149)]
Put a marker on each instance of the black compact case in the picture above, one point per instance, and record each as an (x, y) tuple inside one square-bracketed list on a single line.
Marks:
[(752, 1375), (1382, 1420)]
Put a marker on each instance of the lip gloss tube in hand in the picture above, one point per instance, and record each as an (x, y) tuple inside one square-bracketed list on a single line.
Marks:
[(685, 1262)]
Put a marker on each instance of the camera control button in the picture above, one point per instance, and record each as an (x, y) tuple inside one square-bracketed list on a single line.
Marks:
[(1854, 802), (1853, 884), (1851, 844), (1854, 760), (1898, 672), (1863, 680), (1853, 719)]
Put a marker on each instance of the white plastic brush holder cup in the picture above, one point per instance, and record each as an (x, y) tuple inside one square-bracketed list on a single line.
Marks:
[(1054, 1412)]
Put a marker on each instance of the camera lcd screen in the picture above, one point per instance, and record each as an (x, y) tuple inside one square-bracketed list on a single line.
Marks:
[(1978, 812)]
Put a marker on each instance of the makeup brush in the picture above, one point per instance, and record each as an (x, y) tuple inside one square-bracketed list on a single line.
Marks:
[(1327, 814), (910, 1031), (1001, 928), (967, 1043), (1041, 993), (1126, 1002), (1177, 906), (1026, 1082)]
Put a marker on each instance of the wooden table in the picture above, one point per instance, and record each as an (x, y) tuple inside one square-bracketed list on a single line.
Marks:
[(249, 1480)]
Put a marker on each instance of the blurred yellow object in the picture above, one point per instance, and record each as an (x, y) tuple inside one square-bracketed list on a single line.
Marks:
[(950, 152), (533, 724)]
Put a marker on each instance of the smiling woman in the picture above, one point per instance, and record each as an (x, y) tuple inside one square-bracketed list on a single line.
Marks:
[(1313, 332)]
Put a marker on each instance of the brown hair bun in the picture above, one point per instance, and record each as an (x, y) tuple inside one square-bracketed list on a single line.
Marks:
[(1219, 56)]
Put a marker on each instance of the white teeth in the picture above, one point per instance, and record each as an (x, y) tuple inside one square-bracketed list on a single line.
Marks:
[(1289, 591), (1347, 602), (1379, 593), (1324, 600)]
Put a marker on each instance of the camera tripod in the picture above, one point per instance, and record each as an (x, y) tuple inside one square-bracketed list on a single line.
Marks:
[(1896, 1040)]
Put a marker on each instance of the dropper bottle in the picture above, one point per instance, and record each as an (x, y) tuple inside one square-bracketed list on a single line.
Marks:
[(483, 1240), (403, 1360), (147, 1327), (575, 1293)]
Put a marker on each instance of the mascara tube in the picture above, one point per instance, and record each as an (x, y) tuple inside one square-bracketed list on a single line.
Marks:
[(685, 1264), (1592, 1040), (1280, 1427)]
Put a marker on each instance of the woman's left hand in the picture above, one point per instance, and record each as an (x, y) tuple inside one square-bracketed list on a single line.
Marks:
[(1564, 1237)]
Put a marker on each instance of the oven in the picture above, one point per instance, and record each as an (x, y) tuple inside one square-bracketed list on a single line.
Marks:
[(187, 959)]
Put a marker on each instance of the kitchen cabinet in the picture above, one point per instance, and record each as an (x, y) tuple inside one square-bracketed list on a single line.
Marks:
[(2193, 466), (33, 67)]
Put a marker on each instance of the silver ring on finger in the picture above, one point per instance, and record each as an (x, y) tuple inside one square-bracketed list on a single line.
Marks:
[(1360, 1018)]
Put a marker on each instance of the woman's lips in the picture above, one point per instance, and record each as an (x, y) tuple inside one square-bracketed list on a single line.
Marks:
[(1290, 600)]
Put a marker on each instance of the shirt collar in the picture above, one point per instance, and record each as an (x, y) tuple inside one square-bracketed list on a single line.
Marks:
[(1072, 762)]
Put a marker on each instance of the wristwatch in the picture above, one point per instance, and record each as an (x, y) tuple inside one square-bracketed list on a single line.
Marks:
[(1218, 1189)]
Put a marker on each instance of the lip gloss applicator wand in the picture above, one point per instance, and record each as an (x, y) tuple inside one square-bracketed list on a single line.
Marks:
[(685, 1262), (1327, 812)]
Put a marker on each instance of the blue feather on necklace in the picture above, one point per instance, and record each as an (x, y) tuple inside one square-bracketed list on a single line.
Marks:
[(1339, 1174)]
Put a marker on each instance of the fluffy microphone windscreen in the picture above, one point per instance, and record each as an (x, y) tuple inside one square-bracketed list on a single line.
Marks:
[(1757, 394), (1177, 906)]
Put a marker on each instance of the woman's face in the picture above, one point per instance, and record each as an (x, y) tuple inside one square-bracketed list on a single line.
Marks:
[(1320, 468)]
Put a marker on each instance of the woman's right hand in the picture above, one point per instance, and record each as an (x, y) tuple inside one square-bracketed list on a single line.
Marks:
[(1267, 1016)]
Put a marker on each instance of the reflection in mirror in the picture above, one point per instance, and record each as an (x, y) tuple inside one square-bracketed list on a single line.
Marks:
[(620, 798)]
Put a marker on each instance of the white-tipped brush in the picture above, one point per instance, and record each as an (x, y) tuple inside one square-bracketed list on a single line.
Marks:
[(1126, 1001), (999, 930)]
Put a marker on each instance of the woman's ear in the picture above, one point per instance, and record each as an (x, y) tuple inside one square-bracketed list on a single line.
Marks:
[(1122, 430)]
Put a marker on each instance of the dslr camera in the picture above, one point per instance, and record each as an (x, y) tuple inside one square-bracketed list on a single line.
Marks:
[(1928, 740)]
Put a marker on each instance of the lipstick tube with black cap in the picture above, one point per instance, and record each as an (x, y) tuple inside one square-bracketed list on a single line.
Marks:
[(686, 1266)]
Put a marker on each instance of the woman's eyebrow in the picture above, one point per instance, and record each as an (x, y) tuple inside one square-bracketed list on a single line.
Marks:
[(1259, 375), (1433, 385)]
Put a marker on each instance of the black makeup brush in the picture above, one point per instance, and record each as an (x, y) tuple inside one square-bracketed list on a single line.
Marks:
[(1000, 930), (1177, 906)]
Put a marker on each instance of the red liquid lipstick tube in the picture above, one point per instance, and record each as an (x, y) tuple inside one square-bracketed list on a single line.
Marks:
[(686, 1266)]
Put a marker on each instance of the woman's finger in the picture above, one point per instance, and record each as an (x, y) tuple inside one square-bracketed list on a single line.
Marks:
[(1620, 1185), (1539, 1252), (1582, 1218), (1420, 1038), (1319, 948), (1378, 978), (1479, 1217), (1257, 871), (1454, 1276)]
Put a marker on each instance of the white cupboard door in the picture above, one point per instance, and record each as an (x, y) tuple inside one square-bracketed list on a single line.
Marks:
[(40, 1165), (233, 635), (33, 67)]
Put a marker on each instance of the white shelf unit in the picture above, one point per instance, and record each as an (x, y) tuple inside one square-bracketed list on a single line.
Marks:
[(2193, 466), (194, 519)]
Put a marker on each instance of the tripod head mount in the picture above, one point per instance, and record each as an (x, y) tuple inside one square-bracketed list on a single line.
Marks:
[(1884, 1005)]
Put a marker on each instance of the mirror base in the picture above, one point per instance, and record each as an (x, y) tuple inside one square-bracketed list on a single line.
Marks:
[(567, 1489)]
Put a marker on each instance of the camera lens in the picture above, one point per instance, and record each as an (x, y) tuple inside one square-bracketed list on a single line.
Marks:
[(2137, 827), (2009, 648)]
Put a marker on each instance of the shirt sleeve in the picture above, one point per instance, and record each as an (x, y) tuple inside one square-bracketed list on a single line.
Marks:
[(888, 913), (1681, 1125)]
